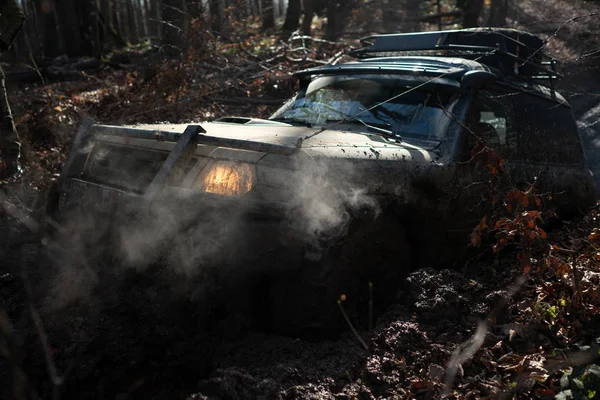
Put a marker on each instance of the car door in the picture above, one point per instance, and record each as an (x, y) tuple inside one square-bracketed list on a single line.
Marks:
[(488, 153), (550, 152)]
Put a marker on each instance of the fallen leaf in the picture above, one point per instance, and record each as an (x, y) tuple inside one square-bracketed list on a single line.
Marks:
[(435, 372)]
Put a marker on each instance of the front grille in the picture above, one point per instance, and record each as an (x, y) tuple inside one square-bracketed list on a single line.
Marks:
[(129, 168)]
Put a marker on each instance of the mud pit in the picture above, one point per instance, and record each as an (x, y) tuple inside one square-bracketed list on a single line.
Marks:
[(132, 336)]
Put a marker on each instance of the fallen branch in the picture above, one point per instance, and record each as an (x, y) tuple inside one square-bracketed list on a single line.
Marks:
[(242, 100)]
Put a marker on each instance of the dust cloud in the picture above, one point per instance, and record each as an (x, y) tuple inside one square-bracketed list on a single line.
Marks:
[(192, 242), (325, 199)]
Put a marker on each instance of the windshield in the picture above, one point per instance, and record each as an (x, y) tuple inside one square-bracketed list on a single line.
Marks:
[(326, 99)]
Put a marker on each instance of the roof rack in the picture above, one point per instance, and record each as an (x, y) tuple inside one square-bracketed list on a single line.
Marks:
[(512, 51)]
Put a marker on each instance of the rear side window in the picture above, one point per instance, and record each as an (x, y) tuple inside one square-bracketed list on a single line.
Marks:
[(547, 131), (492, 121)]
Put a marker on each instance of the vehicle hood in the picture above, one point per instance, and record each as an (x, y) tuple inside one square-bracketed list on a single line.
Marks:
[(344, 141)]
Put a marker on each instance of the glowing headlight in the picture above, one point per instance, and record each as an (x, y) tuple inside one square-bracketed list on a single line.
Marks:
[(227, 178)]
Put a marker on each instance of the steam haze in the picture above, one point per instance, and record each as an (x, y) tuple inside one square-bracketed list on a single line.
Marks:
[(193, 243)]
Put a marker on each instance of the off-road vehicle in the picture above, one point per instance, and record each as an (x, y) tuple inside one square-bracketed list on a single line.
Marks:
[(365, 174)]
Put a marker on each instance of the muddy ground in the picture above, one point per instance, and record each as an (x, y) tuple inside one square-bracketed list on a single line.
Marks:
[(466, 330), (133, 337), (458, 330)]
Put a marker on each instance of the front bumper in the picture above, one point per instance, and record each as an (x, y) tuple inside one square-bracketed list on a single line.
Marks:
[(196, 227), (101, 198)]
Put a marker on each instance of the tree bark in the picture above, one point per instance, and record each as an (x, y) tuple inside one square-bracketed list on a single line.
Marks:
[(194, 9), (309, 11), (131, 21), (172, 13), (292, 16), (216, 15), (78, 26), (403, 18), (472, 9), (333, 20), (498, 13), (268, 15), (49, 32), (410, 21)]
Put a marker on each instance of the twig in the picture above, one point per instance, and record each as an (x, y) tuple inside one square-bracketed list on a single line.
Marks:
[(573, 19), (18, 214), (468, 349), (336, 57), (37, 70), (370, 306), (35, 228), (246, 100), (360, 339), (298, 37), (8, 350), (57, 381)]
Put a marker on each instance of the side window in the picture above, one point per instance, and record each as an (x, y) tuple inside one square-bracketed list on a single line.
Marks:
[(491, 121), (547, 131)]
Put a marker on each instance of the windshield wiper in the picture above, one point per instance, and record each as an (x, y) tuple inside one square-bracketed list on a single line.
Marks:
[(382, 129), (292, 121)]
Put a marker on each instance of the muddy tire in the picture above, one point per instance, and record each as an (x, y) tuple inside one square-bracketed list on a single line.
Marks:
[(305, 300)]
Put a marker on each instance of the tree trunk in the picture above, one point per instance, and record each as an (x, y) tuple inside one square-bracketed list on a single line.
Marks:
[(131, 21), (142, 19), (77, 23), (292, 16), (127, 28), (172, 13), (157, 18), (194, 9), (216, 15), (309, 11), (403, 18), (472, 10), (333, 20), (105, 25), (498, 13), (410, 21), (49, 32), (268, 16)]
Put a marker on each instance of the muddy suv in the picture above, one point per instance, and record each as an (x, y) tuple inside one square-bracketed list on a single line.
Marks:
[(365, 174)]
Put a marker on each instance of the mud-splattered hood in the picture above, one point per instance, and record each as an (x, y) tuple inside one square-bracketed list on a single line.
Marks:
[(348, 141)]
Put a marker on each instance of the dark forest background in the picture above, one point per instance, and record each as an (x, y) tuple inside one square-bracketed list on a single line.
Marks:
[(95, 27)]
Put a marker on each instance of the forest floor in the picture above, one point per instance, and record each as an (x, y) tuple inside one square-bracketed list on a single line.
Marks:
[(481, 328)]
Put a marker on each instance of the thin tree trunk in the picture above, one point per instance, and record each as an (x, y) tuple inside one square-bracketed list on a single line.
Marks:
[(472, 11), (157, 16), (131, 21), (106, 27), (411, 17), (309, 11), (141, 20), (292, 16), (268, 16), (126, 27), (194, 9), (333, 20), (216, 15), (498, 13), (172, 12), (49, 31)]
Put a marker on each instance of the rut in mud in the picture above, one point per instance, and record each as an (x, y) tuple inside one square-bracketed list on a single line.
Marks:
[(132, 336)]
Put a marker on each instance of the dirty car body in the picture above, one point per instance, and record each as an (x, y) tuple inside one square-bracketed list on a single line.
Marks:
[(385, 138)]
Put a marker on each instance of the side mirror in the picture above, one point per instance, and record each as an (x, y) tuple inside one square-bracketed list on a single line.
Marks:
[(473, 80)]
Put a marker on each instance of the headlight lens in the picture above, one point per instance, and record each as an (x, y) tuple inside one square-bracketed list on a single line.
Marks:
[(227, 178)]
